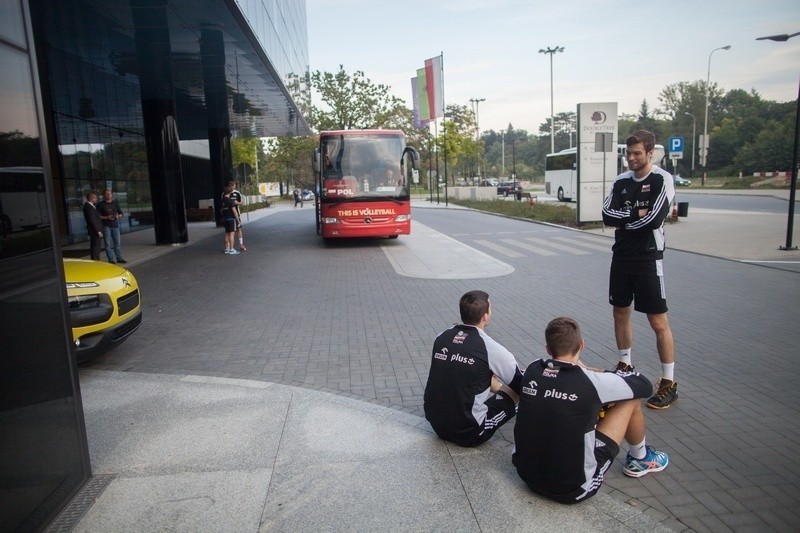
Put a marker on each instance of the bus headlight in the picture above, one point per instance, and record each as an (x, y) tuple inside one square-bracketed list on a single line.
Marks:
[(330, 220), (402, 218)]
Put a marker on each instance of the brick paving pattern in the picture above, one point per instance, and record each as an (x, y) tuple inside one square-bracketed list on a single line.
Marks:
[(339, 319)]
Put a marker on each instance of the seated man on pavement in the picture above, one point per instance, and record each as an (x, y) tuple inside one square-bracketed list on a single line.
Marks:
[(473, 384), (562, 445)]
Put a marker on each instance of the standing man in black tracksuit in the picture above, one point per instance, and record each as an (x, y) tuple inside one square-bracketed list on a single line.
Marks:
[(474, 382), (639, 202)]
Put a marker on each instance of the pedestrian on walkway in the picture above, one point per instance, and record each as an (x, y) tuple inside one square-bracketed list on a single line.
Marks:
[(562, 448), (228, 211), (473, 384), (110, 214), (638, 204), (94, 225), (237, 198), (298, 198)]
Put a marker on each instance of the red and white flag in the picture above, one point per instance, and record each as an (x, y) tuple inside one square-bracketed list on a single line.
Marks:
[(434, 88)]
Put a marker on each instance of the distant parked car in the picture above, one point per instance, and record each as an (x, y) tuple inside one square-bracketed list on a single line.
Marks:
[(508, 187), (680, 182), (488, 182), (307, 195)]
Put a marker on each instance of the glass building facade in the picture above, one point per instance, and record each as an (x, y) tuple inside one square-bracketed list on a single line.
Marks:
[(125, 79), (144, 97)]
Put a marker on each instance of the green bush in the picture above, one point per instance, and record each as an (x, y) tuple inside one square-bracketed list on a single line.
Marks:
[(554, 213)]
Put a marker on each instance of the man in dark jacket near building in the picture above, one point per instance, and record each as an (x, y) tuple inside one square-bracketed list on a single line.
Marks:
[(94, 225)]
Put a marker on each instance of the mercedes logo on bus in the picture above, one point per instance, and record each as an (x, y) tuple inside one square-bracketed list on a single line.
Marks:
[(367, 220)]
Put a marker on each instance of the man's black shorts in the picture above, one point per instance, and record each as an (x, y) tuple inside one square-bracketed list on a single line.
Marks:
[(501, 409), (640, 282), (605, 450), (230, 225)]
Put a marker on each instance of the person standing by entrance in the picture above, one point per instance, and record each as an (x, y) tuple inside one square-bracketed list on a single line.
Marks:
[(637, 206), (236, 196), (94, 225), (110, 214)]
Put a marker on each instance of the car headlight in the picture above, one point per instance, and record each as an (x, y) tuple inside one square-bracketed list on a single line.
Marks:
[(83, 302), (81, 285)]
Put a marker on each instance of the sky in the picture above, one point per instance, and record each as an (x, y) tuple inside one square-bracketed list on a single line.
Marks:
[(614, 50)]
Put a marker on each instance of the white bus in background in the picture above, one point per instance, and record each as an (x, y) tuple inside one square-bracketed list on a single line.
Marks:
[(561, 171), (23, 200)]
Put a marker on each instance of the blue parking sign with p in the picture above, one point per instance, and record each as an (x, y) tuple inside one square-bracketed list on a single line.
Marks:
[(675, 144)]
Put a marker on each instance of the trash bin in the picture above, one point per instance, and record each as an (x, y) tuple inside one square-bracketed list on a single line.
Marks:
[(683, 209)]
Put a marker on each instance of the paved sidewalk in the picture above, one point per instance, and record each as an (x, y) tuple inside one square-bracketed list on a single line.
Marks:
[(201, 453), (191, 453)]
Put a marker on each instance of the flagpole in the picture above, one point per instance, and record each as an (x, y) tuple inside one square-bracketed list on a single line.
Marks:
[(435, 145), (430, 165), (444, 127)]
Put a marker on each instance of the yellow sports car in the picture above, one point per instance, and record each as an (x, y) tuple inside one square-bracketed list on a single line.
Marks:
[(104, 305)]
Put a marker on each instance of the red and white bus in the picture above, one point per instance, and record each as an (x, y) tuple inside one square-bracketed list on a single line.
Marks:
[(362, 183)]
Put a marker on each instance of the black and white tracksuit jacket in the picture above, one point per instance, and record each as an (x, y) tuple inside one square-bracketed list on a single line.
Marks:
[(639, 238), (463, 361)]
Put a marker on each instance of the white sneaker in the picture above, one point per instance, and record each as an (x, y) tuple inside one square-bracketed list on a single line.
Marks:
[(234, 252)]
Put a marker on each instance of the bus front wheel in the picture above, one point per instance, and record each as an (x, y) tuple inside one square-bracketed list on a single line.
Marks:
[(560, 194)]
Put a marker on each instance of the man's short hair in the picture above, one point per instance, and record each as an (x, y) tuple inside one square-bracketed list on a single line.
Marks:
[(563, 336), (473, 305), (642, 136), (89, 194)]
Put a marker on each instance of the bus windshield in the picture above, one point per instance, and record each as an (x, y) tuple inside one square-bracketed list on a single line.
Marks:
[(362, 167)]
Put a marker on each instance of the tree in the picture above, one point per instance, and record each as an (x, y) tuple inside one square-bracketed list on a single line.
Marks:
[(769, 151), (684, 97), (565, 125), (244, 154), (645, 120), (353, 102), (289, 160), (457, 142)]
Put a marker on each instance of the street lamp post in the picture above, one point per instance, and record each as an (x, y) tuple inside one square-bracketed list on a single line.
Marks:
[(551, 52), (514, 161), (503, 154), (477, 102), (793, 184), (705, 145), (694, 138)]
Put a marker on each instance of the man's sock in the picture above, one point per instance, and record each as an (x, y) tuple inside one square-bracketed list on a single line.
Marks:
[(638, 451), (625, 355), (668, 371)]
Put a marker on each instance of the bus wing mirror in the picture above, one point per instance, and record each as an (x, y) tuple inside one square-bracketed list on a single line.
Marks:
[(315, 160), (413, 156)]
